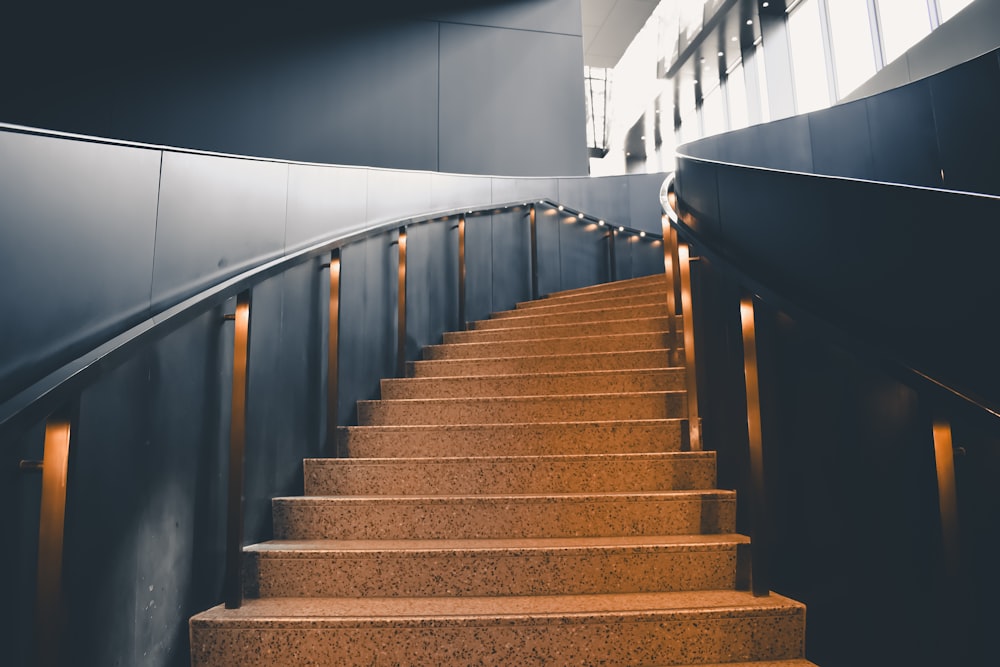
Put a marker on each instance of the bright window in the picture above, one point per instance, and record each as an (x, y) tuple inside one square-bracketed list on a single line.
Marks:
[(808, 61), (712, 114), (765, 106), (736, 89), (853, 53), (951, 7), (904, 23)]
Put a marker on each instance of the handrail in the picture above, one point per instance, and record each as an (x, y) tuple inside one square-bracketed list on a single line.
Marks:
[(33, 403), (768, 294)]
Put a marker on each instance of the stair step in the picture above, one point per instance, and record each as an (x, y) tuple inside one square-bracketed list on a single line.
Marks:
[(536, 384), (594, 473), (609, 286), (548, 346), (597, 437), (633, 325), (523, 409), (592, 315), (619, 629), (554, 363), (504, 516), (626, 291), (597, 303), (437, 568)]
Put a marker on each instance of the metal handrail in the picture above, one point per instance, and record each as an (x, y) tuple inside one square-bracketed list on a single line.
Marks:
[(33, 403), (768, 294)]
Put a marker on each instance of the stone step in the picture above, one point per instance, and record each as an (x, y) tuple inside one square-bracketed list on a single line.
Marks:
[(550, 346), (609, 286), (536, 384), (641, 325), (575, 317), (613, 437), (554, 363), (599, 301), (658, 287), (436, 568), (523, 409), (504, 516), (490, 475), (614, 630)]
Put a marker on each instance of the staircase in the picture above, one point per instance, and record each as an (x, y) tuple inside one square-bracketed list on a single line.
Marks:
[(520, 499)]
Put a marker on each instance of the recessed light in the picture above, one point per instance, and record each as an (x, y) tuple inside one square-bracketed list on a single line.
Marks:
[(561, 207), (766, 5), (600, 222), (580, 216), (749, 21), (721, 54), (696, 82), (621, 229), (627, 154), (642, 235), (642, 138), (734, 39)]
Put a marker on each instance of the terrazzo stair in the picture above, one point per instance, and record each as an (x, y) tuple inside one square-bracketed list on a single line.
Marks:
[(521, 498)]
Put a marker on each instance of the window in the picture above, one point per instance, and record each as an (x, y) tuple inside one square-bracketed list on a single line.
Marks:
[(903, 24), (712, 114), (736, 89), (851, 35), (949, 8), (808, 60), (765, 106)]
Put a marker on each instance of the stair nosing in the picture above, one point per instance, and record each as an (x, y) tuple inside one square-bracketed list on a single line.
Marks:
[(533, 458), (634, 395), (610, 496)]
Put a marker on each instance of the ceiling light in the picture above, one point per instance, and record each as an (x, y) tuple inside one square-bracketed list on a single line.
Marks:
[(733, 39), (721, 54), (642, 235), (621, 229), (642, 138), (749, 21), (766, 5)]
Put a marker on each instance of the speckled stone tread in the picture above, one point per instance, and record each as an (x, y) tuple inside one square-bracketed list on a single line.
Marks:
[(556, 363), (527, 348), (632, 325), (424, 568), (657, 287), (620, 629), (604, 287), (536, 384), (593, 473), (596, 437), (521, 409), (599, 301), (504, 516), (594, 315)]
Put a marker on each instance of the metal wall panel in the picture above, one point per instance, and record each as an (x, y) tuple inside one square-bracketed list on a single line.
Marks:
[(644, 202), (478, 267), (76, 248), (583, 250), (841, 145), (368, 289), (431, 283), (606, 198), (216, 216), (397, 194), (323, 201), (511, 259), (967, 131), (903, 142), (549, 251), (490, 102), (560, 16), (448, 191)]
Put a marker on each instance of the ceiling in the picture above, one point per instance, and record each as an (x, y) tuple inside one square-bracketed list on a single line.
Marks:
[(609, 26)]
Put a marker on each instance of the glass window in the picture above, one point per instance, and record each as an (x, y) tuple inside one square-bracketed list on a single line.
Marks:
[(736, 89), (853, 53), (713, 116), (951, 7), (808, 61), (903, 24), (765, 105)]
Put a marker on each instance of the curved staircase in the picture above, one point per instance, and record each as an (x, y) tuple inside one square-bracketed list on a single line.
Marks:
[(520, 499)]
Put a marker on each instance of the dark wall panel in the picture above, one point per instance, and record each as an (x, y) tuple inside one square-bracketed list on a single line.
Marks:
[(584, 253), (840, 141), (903, 143), (549, 251), (478, 267), (431, 284), (511, 259), (322, 200), (967, 130), (607, 198), (368, 289), (76, 236), (483, 75), (644, 202), (215, 217)]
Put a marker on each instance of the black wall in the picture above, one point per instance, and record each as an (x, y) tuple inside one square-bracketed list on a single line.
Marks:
[(482, 87)]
